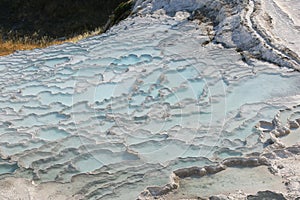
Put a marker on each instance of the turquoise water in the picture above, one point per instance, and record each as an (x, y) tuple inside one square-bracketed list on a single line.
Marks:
[(133, 105)]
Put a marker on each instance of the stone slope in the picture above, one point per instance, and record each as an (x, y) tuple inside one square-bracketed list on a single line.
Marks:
[(114, 114), (242, 24)]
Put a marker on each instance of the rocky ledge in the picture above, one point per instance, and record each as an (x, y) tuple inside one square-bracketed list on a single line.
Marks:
[(246, 25), (281, 156), (257, 30), (280, 162)]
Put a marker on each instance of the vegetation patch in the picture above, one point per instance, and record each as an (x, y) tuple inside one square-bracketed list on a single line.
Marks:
[(39, 23)]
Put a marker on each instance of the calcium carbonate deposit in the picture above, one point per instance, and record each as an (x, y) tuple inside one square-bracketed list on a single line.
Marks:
[(182, 100)]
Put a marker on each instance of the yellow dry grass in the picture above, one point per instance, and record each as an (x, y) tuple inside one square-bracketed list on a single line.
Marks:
[(8, 47)]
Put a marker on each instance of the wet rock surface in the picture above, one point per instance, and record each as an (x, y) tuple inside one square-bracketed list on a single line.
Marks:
[(150, 109), (282, 172), (241, 24), (266, 195)]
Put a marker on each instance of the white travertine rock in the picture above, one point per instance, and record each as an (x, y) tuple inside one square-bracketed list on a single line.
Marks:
[(178, 86)]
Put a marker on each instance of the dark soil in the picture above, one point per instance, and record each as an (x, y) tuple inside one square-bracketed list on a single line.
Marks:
[(55, 19)]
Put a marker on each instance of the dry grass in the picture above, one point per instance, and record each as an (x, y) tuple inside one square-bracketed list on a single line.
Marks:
[(9, 47)]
